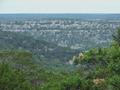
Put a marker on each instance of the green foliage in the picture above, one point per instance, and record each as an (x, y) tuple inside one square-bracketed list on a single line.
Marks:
[(11, 79), (19, 71), (116, 37), (114, 81), (72, 83), (106, 64)]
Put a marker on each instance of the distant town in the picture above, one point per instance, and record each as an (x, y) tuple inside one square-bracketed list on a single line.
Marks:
[(59, 24)]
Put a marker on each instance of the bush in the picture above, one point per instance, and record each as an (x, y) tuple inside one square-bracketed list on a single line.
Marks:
[(11, 79), (114, 81)]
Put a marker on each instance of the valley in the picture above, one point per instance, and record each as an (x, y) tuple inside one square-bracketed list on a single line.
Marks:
[(59, 51)]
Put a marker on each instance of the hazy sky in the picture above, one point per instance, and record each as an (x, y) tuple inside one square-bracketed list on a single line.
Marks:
[(59, 6)]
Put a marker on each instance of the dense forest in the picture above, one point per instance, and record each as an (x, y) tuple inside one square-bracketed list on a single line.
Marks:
[(59, 52), (99, 69)]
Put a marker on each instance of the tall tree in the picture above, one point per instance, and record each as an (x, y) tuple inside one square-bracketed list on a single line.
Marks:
[(116, 37)]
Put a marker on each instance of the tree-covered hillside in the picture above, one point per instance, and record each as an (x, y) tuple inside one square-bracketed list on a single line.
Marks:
[(100, 70), (103, 65), (19, 71), (41, 48), (59, 52), (48, 54)]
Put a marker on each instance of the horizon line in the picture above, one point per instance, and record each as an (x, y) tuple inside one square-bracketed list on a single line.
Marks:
[(58, 13)]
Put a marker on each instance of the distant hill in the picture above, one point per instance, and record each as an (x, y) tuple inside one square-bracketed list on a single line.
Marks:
[(39, 47), (61, 16)]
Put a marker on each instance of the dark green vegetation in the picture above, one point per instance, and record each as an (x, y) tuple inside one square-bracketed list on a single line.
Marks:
[(19, 72), (104, 65), (100, 70)]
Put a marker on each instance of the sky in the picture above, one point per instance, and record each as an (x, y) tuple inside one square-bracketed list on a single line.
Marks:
[(59, 6)]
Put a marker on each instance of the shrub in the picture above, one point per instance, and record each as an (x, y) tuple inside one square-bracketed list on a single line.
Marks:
[(11, 79)]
